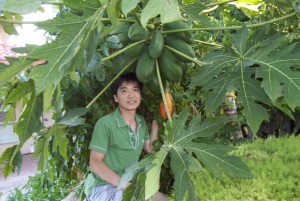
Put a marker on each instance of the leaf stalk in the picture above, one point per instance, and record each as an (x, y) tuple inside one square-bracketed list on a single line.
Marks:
[(162, 91), (110, 83), (200, 63), (123, 50)]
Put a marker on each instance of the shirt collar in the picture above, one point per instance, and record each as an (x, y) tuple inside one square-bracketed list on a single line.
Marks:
[(121, 122)]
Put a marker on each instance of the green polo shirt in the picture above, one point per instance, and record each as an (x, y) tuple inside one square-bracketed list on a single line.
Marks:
[(121, 146)]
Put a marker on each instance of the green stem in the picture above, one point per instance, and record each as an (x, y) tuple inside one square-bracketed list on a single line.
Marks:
[(220, 3), (34, 22), (54, 3), (200, 63), (232, 27), (123, 50), (174, 31), (162, 91), (207, 43), (110, 83)]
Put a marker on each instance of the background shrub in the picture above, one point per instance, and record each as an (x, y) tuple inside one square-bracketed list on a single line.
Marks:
[(275, 165)]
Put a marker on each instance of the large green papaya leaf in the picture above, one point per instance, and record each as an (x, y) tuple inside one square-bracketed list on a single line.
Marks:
[(10, 162), (20, 7), (7, 74), (180, 146), (167, 9), (73, 31), (42, 150), (215, 159), (180, 164), (73, 117), (30, 120), (258, 67), (60, 141)]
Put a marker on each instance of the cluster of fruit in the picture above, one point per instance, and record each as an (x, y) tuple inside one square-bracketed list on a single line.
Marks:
[(172, 50)]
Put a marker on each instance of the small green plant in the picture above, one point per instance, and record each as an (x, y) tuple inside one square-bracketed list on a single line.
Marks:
[(274, 163)]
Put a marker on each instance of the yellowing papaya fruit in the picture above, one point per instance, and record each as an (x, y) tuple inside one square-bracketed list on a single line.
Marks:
[(169, 66), (156, 44), (145, 67), (181, 46), (169, 102), (136, 32)]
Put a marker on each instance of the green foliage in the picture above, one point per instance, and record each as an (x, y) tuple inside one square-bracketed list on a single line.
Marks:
[(274, 163), (24, 7), (259, 64), (258, 67), (187, 156)]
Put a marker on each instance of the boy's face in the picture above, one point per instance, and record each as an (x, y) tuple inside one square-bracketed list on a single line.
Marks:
[(128, 96)]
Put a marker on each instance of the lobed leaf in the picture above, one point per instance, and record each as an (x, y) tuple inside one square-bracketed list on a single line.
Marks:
[(258, 68), (11, 72), (63, 51), (128, 5), (215, 159), (72, 117), (17, 93), (167, 9), (21, 7), (30, 119), (180, 164), (60, 141)]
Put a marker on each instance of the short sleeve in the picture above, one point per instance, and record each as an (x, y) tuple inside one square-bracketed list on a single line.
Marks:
[(100, 137)]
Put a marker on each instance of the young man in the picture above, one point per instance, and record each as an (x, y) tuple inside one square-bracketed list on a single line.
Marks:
[(117, 142)]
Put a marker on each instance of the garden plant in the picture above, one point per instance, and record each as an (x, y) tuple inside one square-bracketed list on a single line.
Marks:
[(208, 67)]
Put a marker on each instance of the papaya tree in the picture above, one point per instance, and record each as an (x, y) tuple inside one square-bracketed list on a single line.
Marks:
[(198, 50)]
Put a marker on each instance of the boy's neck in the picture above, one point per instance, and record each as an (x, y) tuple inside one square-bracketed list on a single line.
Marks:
[(128, 116)]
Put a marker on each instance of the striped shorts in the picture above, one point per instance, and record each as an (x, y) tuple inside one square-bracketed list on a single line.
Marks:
[(106, 192)]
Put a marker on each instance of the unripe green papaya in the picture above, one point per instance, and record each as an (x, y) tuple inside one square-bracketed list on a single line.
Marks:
[(181, 46), (169, 66), (121, 27), (122, 32), (184, 35), (137, 32), (121, 61), (145, 67), (153, 84), (156, 44), (124, 38), (136, 50)]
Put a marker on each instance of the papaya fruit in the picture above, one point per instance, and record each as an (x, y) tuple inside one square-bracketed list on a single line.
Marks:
[(123, 37), (169, 66), (136, 50), (121, 27), (121, 61), (136, 32), (181, 46), (153, 84), (169, 102), (121, 31), (184, 35), (145, 67), (156, 44)]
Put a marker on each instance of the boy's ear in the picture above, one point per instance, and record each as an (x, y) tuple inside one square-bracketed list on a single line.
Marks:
[(115, 98)]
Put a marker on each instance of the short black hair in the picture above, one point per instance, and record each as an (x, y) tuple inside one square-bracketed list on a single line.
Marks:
[(126, 77)]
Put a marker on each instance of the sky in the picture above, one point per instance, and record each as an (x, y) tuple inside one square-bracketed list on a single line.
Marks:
[(28, 33)]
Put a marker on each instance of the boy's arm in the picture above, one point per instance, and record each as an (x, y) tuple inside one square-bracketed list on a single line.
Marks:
[(99, 167), (153, 136)]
